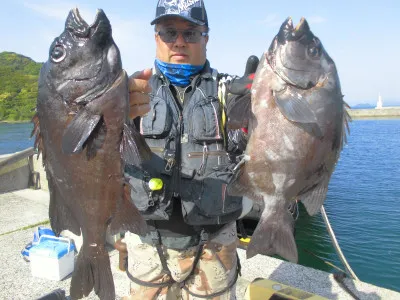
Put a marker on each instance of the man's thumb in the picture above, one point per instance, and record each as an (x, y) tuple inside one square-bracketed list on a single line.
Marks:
[(144, 74), (251, 65)]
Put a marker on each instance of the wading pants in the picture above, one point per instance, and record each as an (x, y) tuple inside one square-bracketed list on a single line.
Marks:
[(214, 272)]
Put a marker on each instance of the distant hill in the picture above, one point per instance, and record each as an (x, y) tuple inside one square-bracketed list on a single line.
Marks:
[(18, 86)]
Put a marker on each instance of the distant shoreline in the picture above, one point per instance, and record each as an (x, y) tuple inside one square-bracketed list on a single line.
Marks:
[(359, 113), (14, 122), (365, 113)]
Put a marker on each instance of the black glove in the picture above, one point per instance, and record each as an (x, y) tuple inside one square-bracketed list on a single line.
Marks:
[(239, 96), (238, 102), (242, 85)]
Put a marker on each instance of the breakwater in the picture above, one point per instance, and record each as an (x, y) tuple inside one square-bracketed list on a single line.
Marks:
[(385, 112)]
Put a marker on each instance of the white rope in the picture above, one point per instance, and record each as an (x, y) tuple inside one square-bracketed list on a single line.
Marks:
[(336, 244)]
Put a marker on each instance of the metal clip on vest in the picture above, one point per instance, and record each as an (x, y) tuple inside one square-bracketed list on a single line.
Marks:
[(204, 161), (169, 156)]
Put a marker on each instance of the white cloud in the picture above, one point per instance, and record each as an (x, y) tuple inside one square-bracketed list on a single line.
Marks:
[(271, 20), (58, 10), (316, 20)]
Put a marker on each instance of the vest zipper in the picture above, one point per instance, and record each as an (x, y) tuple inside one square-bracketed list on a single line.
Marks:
[(177, 160), (216, 121), (202, 168), (198, 154)]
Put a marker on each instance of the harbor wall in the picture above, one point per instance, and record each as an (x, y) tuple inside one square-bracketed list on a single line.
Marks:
[(385, 112), (16, 171), (22, 170)]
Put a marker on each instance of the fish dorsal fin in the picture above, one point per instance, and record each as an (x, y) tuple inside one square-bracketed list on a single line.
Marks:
[(127, 216), (134, 149), (314, 198), (61, 216)]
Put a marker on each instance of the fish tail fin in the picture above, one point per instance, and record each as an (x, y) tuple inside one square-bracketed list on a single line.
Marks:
[(128, 217), (274, 235), (92, 272)]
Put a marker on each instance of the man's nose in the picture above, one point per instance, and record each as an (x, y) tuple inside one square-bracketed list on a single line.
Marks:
[(180, 41)]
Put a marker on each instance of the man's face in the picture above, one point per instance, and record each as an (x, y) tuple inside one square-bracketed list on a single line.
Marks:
[(180, 52)]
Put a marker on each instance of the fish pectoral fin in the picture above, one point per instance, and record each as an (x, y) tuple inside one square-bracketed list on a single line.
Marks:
[(79, 130), (127, 217), (312, 129), (134, 149), (238, 186), (274, 235), (314, 198), (295, 109)]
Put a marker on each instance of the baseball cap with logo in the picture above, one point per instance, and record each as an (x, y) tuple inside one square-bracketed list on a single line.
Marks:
[(191, 10)]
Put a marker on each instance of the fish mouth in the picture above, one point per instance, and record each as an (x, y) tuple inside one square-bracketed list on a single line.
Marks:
[(276, 55), (288, 32), (81, 29), (99, 32)]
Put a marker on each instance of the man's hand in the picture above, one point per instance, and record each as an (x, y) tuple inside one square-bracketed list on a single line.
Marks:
[(238, 102), (242, 85), (139, 90)]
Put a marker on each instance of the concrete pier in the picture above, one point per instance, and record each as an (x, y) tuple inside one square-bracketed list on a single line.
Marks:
[(21, 209)]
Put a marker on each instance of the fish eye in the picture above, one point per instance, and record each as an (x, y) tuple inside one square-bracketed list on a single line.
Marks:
[(313, 51), (58, 53)]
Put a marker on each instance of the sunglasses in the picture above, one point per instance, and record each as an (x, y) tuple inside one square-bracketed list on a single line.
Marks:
[(169, 35)]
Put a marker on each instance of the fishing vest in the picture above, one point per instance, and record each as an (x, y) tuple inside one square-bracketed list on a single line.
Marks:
[(189, 159)]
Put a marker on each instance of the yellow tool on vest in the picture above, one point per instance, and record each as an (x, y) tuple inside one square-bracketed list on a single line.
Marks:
[(155, 184)]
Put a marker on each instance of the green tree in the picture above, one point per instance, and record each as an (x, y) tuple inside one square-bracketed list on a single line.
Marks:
[(18, 86)]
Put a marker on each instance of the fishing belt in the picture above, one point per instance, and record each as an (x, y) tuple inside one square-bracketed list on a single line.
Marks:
[(204, 237)]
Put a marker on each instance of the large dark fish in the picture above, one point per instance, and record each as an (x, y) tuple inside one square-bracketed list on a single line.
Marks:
[(297, 123), (82, 129)]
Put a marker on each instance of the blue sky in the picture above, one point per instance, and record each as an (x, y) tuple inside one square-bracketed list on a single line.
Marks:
[(361, 36)]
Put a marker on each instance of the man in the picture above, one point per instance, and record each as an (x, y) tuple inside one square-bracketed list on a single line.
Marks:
[(190, 252)]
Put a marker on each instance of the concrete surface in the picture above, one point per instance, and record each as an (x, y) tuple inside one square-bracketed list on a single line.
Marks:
[(28, 207), (22, 208), (308, 279)]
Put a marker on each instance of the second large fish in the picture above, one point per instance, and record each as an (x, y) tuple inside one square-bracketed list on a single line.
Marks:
[(296, 123), (82, 129)]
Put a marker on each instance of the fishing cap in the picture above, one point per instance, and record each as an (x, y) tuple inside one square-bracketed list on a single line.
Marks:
[(191, 10)]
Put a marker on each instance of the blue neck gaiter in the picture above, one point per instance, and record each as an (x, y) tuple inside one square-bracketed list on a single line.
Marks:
[(178, 74)]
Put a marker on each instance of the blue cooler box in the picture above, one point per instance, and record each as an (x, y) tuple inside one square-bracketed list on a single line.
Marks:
[(52, 258)]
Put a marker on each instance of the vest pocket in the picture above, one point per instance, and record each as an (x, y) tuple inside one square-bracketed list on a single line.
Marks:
[(204, 124), (153, 204), (205, 200), (158, 121)]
